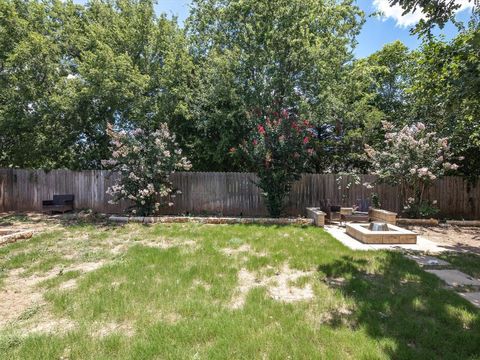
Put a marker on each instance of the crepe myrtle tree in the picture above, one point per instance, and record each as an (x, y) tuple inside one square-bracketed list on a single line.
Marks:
[(412, 159), (144, 160), (278, 148)]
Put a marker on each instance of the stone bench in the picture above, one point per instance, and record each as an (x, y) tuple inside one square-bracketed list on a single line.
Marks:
[(382, 215), (317, 215)]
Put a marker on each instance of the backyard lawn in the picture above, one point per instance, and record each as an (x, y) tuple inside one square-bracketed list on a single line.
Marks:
[(191, 291)]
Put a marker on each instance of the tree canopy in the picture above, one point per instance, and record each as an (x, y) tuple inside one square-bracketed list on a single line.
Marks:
[(69, 71)]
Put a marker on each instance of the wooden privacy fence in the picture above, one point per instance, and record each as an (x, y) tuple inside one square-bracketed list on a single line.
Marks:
[(228, 194)]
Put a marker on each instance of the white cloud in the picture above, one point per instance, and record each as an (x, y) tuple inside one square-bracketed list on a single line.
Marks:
[(407, 20)]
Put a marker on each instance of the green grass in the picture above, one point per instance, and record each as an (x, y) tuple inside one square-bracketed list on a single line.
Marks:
[(174, 302), (466, 262)]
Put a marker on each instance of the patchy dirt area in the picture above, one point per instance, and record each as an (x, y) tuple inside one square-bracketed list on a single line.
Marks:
[(31, 220), (19, 294), (462, 239), (21, 299), (280, 286), (242, 250), (22, 302), (164, 244), (106, 329)]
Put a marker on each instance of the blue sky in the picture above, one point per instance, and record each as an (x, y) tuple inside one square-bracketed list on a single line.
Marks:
[(375, 34)]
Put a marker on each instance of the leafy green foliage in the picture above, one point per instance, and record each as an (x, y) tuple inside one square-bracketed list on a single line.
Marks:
[(445, 92), (251, 53), (67, 70), (279, 150)]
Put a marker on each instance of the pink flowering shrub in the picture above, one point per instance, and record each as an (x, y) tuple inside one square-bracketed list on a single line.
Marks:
[(412, 159), (144, 160), (279, 148)]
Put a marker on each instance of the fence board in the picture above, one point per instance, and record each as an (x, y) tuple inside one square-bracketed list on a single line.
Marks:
[(229, 194)]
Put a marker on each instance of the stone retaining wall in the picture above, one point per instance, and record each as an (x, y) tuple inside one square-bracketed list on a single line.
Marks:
[(212, 220), (382, 215)]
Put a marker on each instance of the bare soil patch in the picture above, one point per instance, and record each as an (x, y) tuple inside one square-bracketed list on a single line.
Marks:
[(279, 286), (31, 220), (20, 294), (242, 250), (45, 322), (462, 239), (165, 244), (107, 329)]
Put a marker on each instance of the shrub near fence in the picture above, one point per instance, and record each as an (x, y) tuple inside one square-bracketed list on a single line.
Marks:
[(228, 194)]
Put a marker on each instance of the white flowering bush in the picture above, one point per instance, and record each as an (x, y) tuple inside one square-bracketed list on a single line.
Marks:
[(145, 160), (412, 159)]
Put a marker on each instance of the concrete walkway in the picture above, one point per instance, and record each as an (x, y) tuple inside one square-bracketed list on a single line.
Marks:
[(463, 284)]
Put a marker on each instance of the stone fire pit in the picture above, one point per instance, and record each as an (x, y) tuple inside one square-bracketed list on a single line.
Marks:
[(368, 234)]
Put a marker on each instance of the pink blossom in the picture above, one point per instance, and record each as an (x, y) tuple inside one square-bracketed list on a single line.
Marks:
[(368, 185), (422, 171)]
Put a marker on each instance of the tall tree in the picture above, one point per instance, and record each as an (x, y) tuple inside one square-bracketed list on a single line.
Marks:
[(67, 70), (392, 76), (371, 90), (253, 53), (445, 93)]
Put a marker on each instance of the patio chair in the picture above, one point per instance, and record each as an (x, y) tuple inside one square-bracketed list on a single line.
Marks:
[(360, 214)]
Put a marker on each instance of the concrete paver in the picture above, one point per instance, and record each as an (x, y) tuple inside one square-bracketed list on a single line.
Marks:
[(455, 277), (473, 297), (424, 260)]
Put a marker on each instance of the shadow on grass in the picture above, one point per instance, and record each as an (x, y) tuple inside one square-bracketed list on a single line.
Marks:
[(406, 309)]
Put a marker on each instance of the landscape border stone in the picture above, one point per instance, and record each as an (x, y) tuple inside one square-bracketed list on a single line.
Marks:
[(474, 223), (421, 222), (15, 236), (211, 220)]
